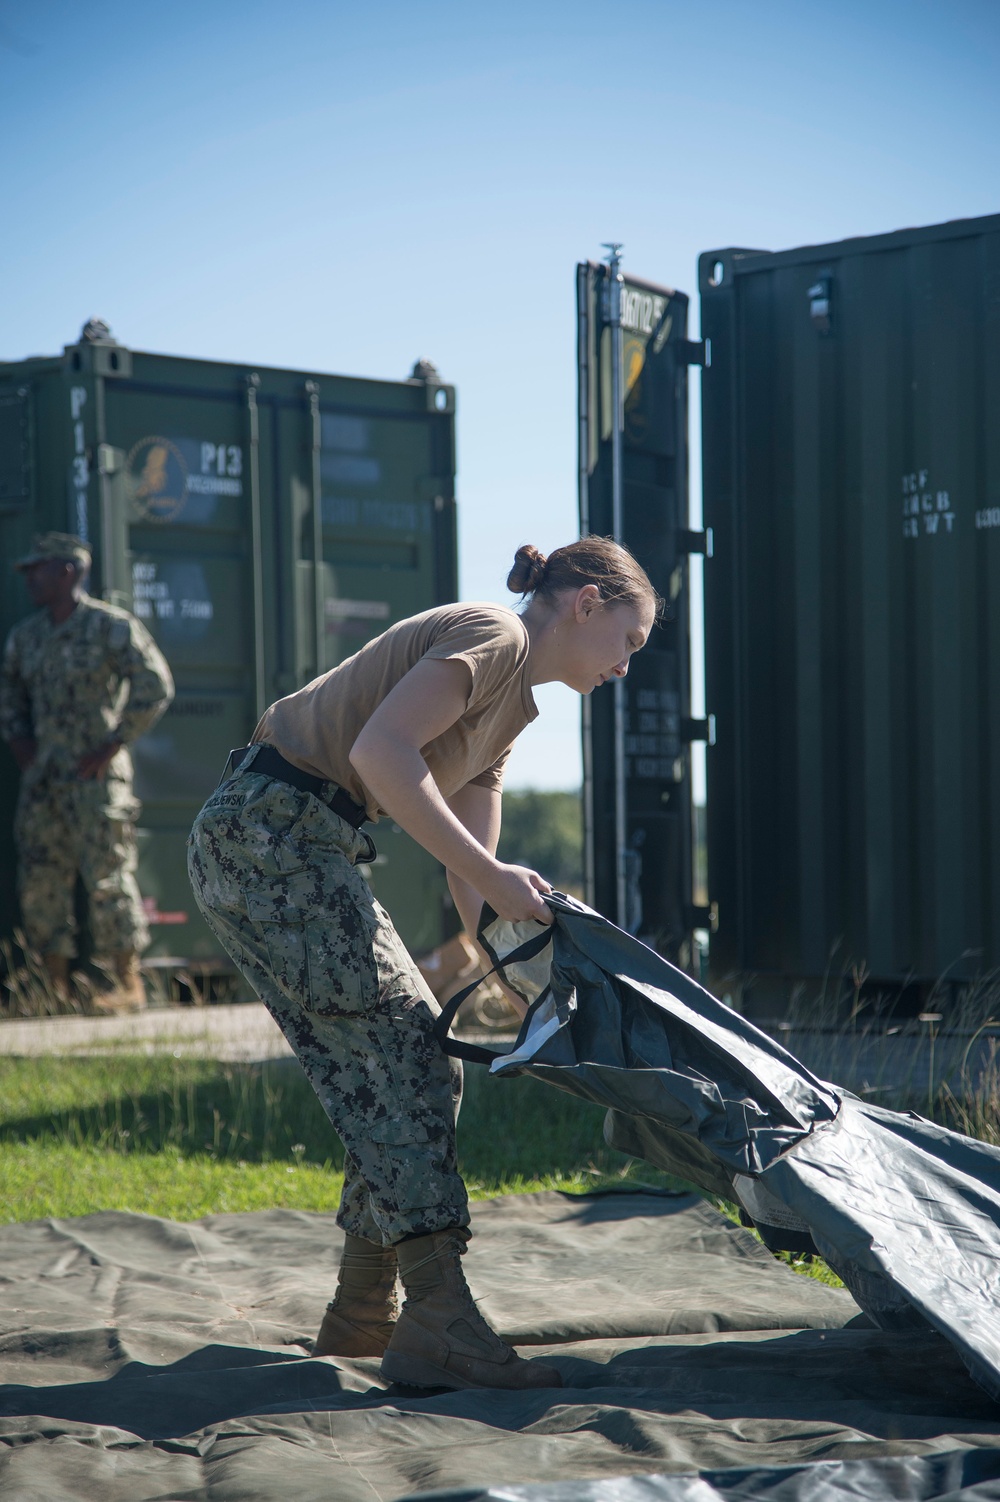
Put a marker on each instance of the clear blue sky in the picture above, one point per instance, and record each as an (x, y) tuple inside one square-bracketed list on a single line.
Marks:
[(347, 187)]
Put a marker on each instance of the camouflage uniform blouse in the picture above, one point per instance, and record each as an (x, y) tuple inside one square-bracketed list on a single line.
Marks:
[(76, 684)]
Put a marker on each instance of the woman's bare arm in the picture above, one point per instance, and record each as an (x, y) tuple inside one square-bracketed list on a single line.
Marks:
[(387, 757), (478, 810)]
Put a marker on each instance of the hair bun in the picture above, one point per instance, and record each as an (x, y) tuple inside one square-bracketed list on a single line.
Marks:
[(528, 571)]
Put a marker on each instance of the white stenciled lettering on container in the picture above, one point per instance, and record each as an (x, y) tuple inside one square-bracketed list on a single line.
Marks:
[(153, 599), (641, 311), (356, 617), (221, 470), (927, 511), (80, 467), (652, 734)]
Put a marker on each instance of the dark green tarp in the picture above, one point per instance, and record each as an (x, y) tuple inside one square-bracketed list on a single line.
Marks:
[(149, 1359)]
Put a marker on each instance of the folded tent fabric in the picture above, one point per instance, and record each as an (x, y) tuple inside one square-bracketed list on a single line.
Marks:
[(905, 1211), (959, 1476)]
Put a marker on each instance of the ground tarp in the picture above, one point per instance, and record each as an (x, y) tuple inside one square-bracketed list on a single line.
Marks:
[(145, 1359)]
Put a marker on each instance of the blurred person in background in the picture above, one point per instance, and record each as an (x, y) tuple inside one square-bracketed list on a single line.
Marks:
[(80, 681)]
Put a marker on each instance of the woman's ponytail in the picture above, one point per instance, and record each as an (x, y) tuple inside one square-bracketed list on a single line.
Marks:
[(591, 560), (529, 570)]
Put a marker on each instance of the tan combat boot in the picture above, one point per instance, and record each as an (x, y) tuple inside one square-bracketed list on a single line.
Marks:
[(441, 1339), (360, 1319), (57, 970), (128, 994)]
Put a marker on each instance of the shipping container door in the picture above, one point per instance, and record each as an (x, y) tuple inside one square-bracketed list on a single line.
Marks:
[(182, 475), (382, 470), (387, 496), (853, 661), (658, 730)]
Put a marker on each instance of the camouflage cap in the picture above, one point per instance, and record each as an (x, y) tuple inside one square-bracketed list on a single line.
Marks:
[(56, 545)]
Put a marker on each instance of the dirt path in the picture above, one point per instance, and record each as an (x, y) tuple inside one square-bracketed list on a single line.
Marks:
[(236, 1034)]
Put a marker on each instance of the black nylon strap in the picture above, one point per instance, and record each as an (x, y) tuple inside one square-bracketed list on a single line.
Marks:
[(475, 1053)]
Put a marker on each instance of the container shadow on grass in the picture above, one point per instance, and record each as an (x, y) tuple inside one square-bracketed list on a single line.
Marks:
[(253, 1113), (511, 1133)]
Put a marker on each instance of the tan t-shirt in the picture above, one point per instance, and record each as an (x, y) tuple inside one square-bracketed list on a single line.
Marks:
[(316, 727)]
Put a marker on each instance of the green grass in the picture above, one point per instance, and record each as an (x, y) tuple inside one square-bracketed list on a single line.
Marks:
[(39, 1179), (183, 1138)]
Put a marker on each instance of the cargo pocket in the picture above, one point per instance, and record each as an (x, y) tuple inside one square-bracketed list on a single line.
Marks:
[(319, 945), (411, 1162)]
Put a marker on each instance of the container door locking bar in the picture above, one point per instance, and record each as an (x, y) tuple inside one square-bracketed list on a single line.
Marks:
[(696, 542), (694, 352), (703, 917), (699, 730)]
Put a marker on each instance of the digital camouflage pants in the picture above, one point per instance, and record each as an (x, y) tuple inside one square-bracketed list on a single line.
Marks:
[(66, 827), (273, 870)]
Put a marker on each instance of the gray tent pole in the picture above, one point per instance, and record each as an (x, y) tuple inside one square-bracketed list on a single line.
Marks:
[(617, 426)]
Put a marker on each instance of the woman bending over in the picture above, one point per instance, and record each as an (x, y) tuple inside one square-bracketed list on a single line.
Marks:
[(417, 725)]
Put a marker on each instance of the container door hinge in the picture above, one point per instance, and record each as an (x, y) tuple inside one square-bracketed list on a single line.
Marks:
[(703, 917), (699, 730), (695, 352), (110, 461), (696, 542)]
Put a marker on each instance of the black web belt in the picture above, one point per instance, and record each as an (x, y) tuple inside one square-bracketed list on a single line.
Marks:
[(271, 763)]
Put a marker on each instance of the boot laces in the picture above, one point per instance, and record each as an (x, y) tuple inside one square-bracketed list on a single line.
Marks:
[(363, 1259), (441, 1251), (474, 1319)]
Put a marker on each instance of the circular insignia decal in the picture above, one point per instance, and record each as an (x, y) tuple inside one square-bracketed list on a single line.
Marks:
[(156, 479)]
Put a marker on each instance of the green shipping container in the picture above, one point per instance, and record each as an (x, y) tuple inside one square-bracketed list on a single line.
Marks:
[(852, 608), (263, 524)]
